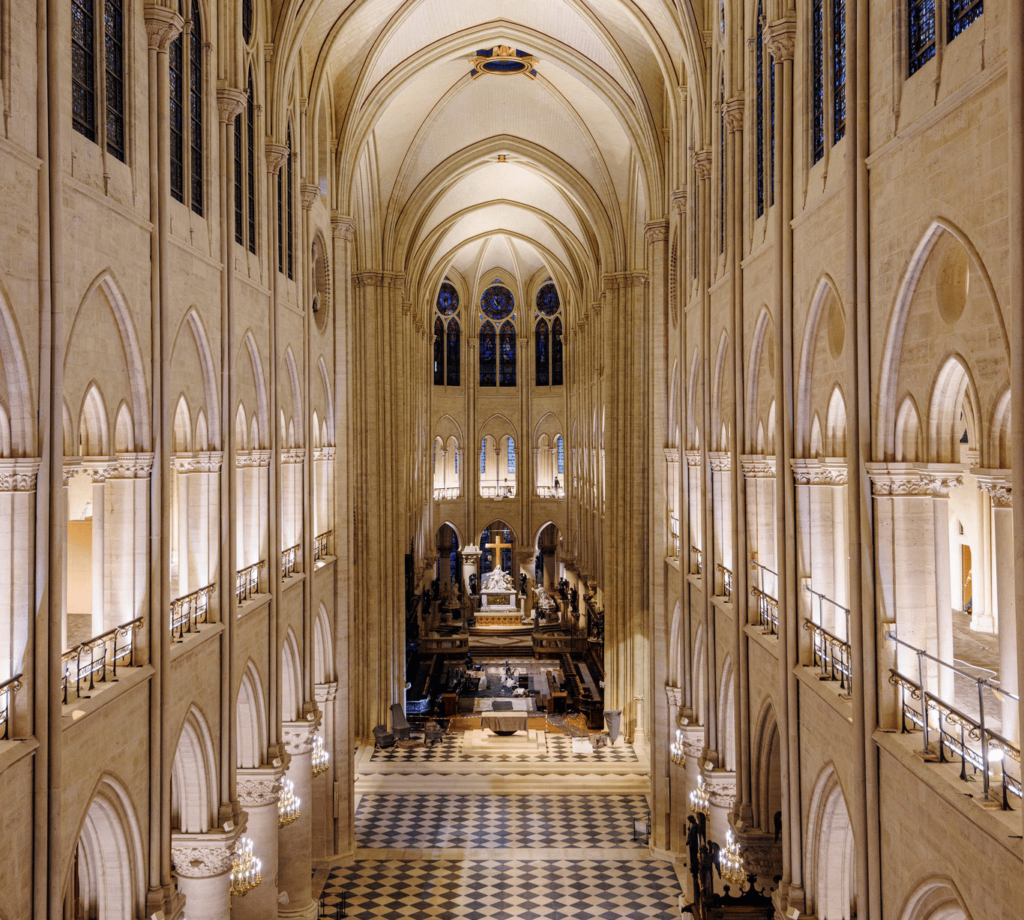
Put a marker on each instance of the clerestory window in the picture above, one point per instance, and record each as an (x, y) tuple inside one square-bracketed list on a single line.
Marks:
[(97, 31)]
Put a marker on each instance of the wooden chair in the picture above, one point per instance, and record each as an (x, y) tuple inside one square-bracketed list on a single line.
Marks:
[(399, 724)]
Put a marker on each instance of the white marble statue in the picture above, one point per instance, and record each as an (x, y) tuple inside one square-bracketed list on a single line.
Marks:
[(544, 600), (498, 581)]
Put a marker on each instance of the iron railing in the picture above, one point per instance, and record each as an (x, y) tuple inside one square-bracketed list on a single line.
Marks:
[(832, 654), (673, 527), (96, 658), (767, 611), (189, 611), (247, 582), (960, 734), (696, 561), (726, 579), (7, 691), (288, 558), (321, 546)]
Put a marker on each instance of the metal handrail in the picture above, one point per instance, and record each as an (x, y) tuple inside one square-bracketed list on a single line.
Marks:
[(726, 579), (95, 669), (288, 557), (247, 581), (833, 655), (7, 691), (767, 611), (320, 546), (189, 611), (763, 570), (697, 554)]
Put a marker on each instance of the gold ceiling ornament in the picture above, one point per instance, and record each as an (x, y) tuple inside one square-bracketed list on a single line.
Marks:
[(503, 61)]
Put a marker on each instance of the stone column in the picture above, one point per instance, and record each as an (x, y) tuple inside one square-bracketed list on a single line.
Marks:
[(295, 857), (470, 565), (203, 865), (258, 793), (721, 787), (326, 696)]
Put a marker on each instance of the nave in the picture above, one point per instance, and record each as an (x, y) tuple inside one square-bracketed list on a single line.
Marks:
[(443, 835)]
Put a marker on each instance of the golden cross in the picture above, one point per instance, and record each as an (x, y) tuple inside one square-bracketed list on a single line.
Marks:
[(499, 546)]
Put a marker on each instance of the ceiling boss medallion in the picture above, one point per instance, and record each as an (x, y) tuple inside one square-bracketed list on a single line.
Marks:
[(504, 61)]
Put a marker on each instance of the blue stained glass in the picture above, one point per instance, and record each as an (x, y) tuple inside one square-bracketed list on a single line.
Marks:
[(113, 15), (438, 352), (920, 34), (483, 458), (721, 167), (508, 355), (556, 353), (510, 447), (759, 84), (83, 68), (548, 302), (504, 66), (771, 154), (196, 105), (542, 354), (961, 14), (497, 302), (817, 80), (487, 555), (239, 192), (250, 176), (561, 455), (447, 299), (177, 119), (488, 356), (454, 377), (456, 463), (838, 70), (247, 20)]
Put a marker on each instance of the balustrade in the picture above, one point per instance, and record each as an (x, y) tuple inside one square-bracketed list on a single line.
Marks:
[(321, 546), (726, 579), (498, 492), (288, 558), (7, 691), (550, 492), (98, 657), (832, 654), (247, 583), (959, 734), (447, 494), (189, 611)]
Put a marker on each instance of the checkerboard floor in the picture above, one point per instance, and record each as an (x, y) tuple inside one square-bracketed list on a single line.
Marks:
[(559, 750), (504, 890), (427, 821)]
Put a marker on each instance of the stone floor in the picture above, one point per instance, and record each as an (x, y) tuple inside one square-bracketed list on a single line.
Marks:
[(464, 838)]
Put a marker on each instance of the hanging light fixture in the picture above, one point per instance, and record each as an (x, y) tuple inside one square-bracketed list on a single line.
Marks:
[(676, 750), (246, 869), (288, 805), (321, 759), (700, 801), (732, 861)]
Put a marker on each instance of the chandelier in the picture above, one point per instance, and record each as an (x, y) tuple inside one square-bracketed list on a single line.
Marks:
[(288, 805), (732, 861), (321, 759), (676, 750), (246, 869), (700, 801)]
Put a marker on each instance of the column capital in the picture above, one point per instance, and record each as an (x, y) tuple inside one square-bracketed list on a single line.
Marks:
[(898, 479), (780, 38), (343, 227), (733, 113), (310, 193), (277, 155), (693, 740), (819, 473), (204, 855), (230, 102), (163, 25), (999, 486), (18, 475), (260, 786), (756, 466), (721, 786), (702, 163), (656, 232), (326, 693), (679, 200), (674, 695), (298, 736)]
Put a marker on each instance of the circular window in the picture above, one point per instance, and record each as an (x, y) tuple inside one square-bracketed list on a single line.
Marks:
[(547, 300), (447, 299), (497, 303)]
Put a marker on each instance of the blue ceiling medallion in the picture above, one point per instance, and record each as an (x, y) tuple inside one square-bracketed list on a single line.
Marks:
[(503, 61)]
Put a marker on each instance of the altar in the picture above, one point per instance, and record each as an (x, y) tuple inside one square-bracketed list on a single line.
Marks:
[(498, 593)]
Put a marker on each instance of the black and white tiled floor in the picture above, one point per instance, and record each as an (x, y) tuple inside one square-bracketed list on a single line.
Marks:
[(394, 822), (558, 889), (559, 750)]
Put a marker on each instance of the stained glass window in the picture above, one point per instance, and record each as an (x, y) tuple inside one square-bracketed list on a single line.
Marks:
[(771, 149), (817, 80), (759, 115), (291, 207), (195, 90), (838, 70), (280, 220), (497, 302), (247, 20), (453, 353), (543, 357), (483, 458), (113, 21), (560, 445), (556, 352), (438, 352), (510, 449), (239, 190), (920, 34), (961, 14), (488, 356), (548, 302), (250, 146), (447, 299), (721, 166), (177, 119), (83, 67), (508, 354)]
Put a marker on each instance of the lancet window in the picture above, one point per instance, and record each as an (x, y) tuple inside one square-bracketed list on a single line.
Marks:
[(186, 78), (498, 348), (245, 173), (92, 87), (548, 337), (828, 75), (447, 338)]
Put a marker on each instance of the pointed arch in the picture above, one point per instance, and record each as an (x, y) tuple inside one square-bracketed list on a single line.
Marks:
[(291, 679), (763, 336), (20, 412), (262, 410), (908, 446), (717, 424), (825, 295), (835, 424), (954, 393), (198, 330), (727, 715), (831, 852), (293, 380), (251, 708), (182, 427), (323, 648), (124, 430), (936, 898), (194, 798), (93, 432), (325, 378)]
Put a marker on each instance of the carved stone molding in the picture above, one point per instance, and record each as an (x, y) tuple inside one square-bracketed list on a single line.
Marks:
[(325, 693), (721, 787), (163, 25), (702, 163), (204, 855), (260, 786), (693, 740), (693, 458), (757, 466), (998, 486), (674, 695), (19, 475), (817, 473), (323, 453), (309, 194), (733, 113), (762, 854), (623, 281), (298, 736), (910, 482), (248, 459), (204, 462), (721, 462), (672, 454), (293, 455), (121, 466), (230, 102), (780, 38), (656, 232), (343, 227), (679, 200), (276, 155)]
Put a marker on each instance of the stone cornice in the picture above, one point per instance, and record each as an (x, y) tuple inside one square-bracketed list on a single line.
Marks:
[(293, 455), (693, 457), (693, 740), (343, 227), (163, 26), (18, 474), (672, 454), (999, 486), (757, 466), (323, 453), (819, 473), (325, 693), (386, 280), (298, 736), (721, 787), (259, 786), (674, 695), (896, 480), (721, 461), (100, 469), (679, 200), (621, 281), (203, 462), (252, 458)]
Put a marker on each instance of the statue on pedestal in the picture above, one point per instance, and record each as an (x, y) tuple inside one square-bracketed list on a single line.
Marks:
[(472, 584), (498, 581), (522, 583)]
